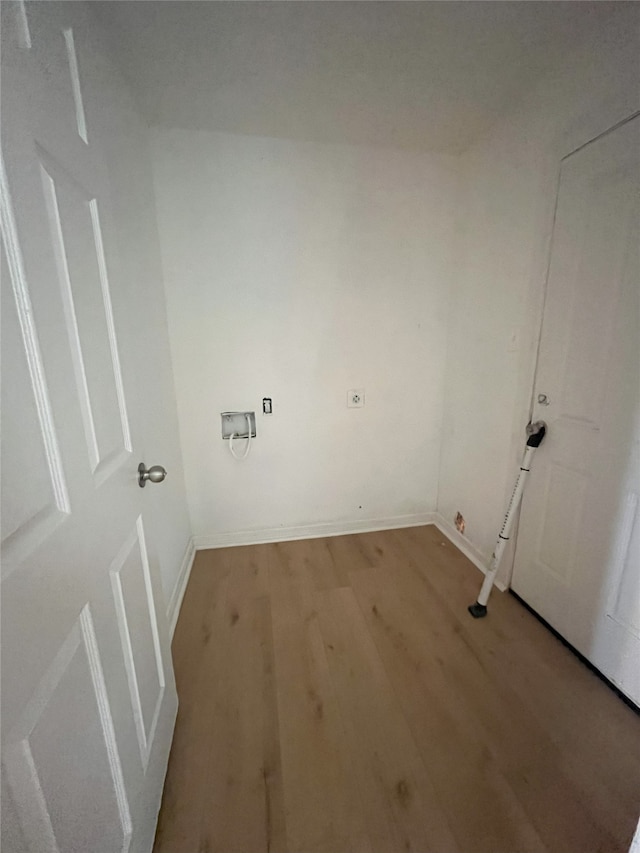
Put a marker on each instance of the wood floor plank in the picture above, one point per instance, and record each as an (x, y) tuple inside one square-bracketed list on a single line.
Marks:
[(315, 558), (348, 553), (248, 570), (189, 642), (186, 792), (485, 813), (400, 804), (335, 695), (537, 772), (321, 802), (519, 651), (244, 810), (376, 546)]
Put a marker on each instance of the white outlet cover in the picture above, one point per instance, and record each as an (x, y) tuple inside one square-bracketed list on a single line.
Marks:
[(355, 398)]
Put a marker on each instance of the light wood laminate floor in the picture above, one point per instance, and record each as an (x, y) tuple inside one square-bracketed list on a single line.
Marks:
[(335, 695)]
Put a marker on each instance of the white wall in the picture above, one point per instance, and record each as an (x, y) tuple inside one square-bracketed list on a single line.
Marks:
[(141, 300), (298, 271), (505, 219)]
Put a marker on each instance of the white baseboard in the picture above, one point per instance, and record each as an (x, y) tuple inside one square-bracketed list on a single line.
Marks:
[(310, 531), (468, 549), (173, 608)]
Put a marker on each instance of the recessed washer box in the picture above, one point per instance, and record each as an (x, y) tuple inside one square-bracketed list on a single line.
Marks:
[(235, 423)]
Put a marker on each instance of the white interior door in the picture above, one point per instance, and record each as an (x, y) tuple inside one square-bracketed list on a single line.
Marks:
[(578, 553), (88, 695)]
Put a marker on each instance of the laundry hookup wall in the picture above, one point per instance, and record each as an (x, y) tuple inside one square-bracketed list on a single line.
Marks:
[(301, 271)]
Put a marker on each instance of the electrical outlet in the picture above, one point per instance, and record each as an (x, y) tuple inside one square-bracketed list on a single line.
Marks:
[(355, 398)]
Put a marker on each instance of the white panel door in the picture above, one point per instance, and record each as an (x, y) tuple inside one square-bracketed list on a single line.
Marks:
[(88, 695), (578, 553)]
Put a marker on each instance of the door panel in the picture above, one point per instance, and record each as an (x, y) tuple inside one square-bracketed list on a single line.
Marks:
[(625, 597), (74, 223), (50, 784), (29, 472), (578, 556), (560, 530), (133, 597), (88, 694), (34, 491)]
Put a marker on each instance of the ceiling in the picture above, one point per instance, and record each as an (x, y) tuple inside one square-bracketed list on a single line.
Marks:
[(425, 75)]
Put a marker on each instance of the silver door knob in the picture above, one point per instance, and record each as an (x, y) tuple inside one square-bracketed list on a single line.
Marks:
[(543, 399), (155, 474)]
